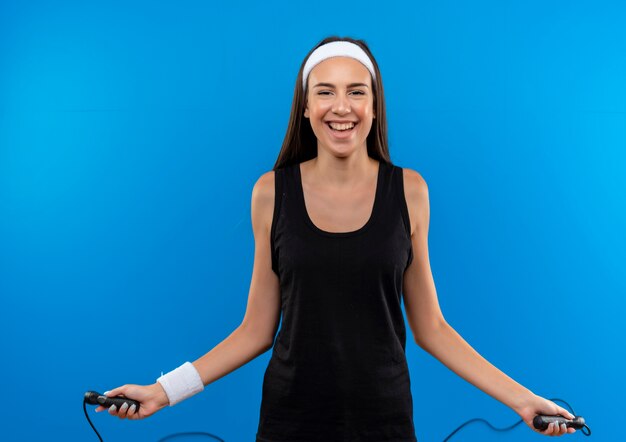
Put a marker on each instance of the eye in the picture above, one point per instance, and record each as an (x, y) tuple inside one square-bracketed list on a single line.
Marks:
[(328, 92)]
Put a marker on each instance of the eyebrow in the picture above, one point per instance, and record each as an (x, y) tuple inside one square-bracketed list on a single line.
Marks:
[(332, 85)]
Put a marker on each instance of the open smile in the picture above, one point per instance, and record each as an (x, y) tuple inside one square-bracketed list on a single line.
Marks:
[(342, 130)]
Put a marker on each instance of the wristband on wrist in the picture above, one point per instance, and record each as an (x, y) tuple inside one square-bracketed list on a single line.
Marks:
[(181, 383)]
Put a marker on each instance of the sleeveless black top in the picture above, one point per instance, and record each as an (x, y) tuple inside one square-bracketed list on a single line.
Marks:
[(338, 371)]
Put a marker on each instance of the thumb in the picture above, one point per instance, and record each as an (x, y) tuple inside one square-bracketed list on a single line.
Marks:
[(116, 391), (567, 414)]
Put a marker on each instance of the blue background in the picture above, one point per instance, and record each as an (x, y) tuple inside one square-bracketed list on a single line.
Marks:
[(131, 135)]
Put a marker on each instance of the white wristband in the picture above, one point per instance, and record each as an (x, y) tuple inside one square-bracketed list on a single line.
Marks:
[(181, 383)]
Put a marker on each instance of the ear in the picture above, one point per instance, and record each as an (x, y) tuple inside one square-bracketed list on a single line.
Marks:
[(306, 111)]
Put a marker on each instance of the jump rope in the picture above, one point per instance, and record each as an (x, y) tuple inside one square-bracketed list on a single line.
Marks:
[(540, 422)]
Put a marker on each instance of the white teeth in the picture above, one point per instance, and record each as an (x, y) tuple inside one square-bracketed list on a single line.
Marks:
[(338, 126)]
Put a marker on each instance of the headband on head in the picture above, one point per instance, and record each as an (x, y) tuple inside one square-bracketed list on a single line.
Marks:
[(336, 49)]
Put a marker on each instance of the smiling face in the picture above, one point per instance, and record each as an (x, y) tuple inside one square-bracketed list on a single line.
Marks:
[(340, 91)]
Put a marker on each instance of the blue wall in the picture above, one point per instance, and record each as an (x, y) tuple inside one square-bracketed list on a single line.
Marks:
[(131, 135)]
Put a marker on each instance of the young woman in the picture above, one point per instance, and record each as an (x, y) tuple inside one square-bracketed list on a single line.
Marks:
[(340, 235)]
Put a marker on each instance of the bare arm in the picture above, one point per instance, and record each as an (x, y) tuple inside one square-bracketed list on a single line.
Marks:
[(432, 332), (256, 333), (254, 336)]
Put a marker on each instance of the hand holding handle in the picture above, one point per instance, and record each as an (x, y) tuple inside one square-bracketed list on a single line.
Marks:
[(541, 422), (94, 398)]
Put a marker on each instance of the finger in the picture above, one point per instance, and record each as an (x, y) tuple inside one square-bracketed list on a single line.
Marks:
[(550, 430), (557, 429), (554, 429), (131, 411), (116, 391), (113, 410), (99, 408), (123, 410), (565, 413)]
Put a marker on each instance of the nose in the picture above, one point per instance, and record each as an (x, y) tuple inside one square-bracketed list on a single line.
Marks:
[(341, 105)]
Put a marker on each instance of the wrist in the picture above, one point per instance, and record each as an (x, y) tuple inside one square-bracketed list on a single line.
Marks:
[(160, 395), (181, 383), (521, 400)]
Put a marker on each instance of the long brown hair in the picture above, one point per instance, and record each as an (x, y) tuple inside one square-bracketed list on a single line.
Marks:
[(300, 143)]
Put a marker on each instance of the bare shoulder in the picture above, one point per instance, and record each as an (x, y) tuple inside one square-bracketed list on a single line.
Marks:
[(262, 203), (416, 195), (414, 182), (264, 186)]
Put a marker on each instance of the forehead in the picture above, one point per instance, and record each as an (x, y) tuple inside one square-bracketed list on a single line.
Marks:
[(339, 70)]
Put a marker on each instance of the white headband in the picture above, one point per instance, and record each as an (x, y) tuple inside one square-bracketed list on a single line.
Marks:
[(336, 49)]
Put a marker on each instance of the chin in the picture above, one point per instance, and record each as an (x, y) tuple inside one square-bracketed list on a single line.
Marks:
[(342, 152)]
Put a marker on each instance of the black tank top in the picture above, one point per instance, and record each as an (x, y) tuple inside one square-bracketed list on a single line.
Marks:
[(338, 370)]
